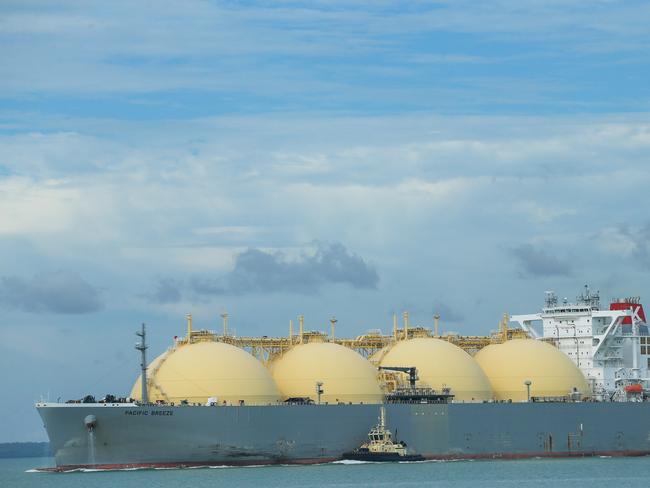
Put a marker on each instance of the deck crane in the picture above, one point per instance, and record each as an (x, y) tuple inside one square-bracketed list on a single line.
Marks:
[(411, 370)]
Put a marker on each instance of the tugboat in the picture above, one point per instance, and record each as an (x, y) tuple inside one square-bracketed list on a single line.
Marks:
[(381, 447)]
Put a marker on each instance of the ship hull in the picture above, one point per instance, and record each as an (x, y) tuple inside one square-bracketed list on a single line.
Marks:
[(381, 457), (163, 436)]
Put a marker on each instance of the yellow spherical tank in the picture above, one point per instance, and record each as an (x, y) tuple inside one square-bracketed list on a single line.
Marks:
[(376, 357), (197, 372), (441, 364), (510, 365), (345, 374)]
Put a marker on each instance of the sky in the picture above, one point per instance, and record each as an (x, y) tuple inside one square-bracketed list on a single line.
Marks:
[(271, 159)]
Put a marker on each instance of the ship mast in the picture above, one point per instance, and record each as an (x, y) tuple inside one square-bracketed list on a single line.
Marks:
[(142, 347)]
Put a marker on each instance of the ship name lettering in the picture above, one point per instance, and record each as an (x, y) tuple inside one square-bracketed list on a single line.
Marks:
[(149, 412), (162, 412)]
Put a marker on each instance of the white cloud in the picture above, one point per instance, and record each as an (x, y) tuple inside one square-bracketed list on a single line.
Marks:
[(542, 214), (211, 189), (178, 258), (432, 201), (35, 208), (53, 154)]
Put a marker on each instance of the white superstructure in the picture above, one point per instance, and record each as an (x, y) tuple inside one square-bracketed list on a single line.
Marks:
[(611, 347)]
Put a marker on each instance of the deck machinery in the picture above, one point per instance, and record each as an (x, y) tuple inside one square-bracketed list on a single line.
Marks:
[(368, 345)]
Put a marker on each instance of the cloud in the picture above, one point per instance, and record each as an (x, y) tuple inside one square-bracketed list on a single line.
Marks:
[(60, 292), (640, 240), (536, 262), (629, 241), (257, 270), (167, 290)]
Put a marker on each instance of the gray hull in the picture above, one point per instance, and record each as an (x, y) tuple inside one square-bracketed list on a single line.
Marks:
[(193, 435)]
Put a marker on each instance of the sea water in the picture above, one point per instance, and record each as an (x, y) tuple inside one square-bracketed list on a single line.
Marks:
[(583, 472)]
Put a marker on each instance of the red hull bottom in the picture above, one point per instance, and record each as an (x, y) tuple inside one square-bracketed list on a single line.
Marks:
[(448, 457)]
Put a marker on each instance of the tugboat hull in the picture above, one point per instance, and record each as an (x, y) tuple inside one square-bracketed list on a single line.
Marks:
[(381, 457)]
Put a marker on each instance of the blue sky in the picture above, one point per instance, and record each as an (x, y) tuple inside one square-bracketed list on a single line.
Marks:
[(276, 158)]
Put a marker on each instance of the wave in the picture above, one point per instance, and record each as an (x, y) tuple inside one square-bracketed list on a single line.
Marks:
[(351, 461)]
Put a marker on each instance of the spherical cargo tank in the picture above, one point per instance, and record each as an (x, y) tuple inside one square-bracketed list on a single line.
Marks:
[(203, 370), (376, 357), (346, 376), (510, 365), (441, 364)]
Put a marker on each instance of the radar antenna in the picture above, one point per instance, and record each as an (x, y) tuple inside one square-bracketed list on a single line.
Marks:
[(589, 298), (551, 299), (142, 347)]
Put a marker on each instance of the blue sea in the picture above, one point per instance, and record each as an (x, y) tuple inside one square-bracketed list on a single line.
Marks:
[(587, 472)]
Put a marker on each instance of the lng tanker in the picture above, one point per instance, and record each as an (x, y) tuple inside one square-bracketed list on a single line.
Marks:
[(310, 398)]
